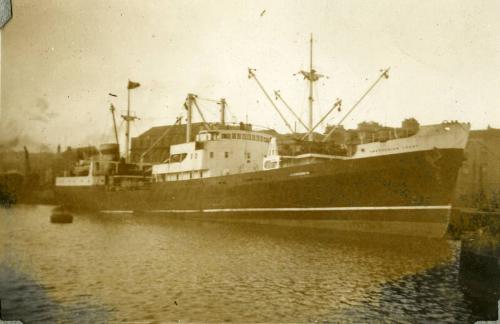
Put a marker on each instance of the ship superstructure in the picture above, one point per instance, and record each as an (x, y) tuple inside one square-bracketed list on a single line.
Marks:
[(215, 153)]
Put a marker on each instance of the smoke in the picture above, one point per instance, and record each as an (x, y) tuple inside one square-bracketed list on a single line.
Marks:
[(10, 135), (13, 138), (13, 142), (19, 129)]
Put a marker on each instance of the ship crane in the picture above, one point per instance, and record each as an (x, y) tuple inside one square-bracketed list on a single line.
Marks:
[(251, 74), (278, 96), (337, 104), (384, 75), (312, 76), (192, 100), (207, 125), (223, 104)]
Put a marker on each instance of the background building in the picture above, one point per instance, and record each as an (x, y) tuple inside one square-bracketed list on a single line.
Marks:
[(160, 152), (479, 178)]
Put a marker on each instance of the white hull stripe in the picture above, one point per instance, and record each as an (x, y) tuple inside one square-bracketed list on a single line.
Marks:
[(116, 211), (221, 210)]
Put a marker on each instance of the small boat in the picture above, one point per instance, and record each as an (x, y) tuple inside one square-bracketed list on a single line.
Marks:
[(61, 215)]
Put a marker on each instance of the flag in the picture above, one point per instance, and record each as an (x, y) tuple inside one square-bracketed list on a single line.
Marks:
[(133, 85)]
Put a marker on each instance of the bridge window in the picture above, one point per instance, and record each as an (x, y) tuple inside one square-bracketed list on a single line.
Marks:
[(178, 157)]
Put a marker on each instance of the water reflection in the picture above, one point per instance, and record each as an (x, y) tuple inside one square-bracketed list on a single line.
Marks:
[(154, 268)]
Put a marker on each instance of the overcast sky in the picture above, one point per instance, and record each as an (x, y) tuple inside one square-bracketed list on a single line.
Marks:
[(61, 58)]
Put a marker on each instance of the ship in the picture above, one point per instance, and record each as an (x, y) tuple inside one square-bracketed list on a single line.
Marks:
[(11, 184), (15, 185), (401, 184)]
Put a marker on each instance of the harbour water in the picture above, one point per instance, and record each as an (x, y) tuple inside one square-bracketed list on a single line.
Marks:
[(124, 267)]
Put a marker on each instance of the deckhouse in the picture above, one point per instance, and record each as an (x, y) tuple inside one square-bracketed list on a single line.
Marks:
[(214, 153)]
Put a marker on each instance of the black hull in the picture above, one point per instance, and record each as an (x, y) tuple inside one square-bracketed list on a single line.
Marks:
[(11, 186), (407, 194)]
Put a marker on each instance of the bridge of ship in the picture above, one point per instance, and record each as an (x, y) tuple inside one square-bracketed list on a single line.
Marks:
[(214, 153)]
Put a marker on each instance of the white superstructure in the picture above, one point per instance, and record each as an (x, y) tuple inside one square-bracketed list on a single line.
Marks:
[(214, 153)]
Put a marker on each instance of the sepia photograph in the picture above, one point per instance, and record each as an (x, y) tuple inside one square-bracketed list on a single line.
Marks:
[(280, 161)]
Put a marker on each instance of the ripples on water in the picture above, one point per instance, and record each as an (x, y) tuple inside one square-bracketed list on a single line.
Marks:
[(155, 268)]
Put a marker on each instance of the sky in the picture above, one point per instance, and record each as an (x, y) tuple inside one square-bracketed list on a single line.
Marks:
[(60, 59)]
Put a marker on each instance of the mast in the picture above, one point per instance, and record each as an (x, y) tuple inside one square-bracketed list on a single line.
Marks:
[(311, 137), (127, 131), (222, 111), (128, 118), (311, 76), (112, 109), (189, 108)]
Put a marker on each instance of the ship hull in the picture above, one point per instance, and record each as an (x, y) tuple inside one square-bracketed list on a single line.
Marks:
[(406, 194), (11, 186)]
